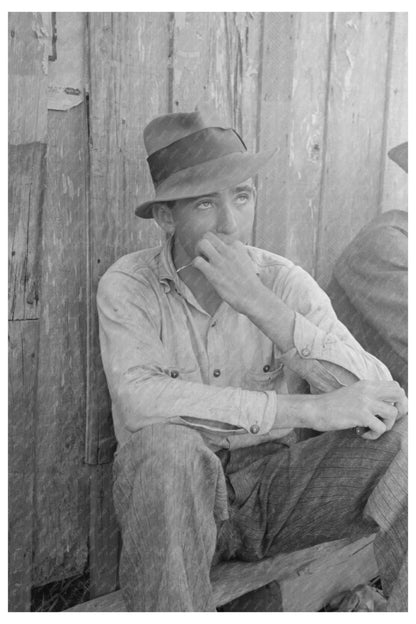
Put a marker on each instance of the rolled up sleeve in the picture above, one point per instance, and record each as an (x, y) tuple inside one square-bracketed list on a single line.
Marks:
[(325, 354), (139, 376)]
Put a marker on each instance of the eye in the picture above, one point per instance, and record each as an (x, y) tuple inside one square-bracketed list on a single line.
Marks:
[(205, 204), (242, 198)]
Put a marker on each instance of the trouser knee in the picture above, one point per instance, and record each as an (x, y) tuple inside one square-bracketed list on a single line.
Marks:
[(165, 461)]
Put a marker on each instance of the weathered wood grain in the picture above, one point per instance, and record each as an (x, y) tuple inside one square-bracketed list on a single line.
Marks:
[(28, 79), (104, 538), (313, 566), (315, 584), (275, 95), (216, 61), (287, 222), (23, 356), (394, 186), (62, 505), (355, 122), (27, 180), (129, 86), (27, 149)]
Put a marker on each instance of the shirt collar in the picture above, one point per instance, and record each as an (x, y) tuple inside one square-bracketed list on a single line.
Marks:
[(167, 271)]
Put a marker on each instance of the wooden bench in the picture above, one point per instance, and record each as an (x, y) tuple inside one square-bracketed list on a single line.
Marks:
[(307, 578)]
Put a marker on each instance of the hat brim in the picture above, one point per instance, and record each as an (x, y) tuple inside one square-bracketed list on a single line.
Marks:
[(398, 155), (209, 177)]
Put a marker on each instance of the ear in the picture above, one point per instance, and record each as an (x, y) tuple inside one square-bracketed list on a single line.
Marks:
[(163, 216)]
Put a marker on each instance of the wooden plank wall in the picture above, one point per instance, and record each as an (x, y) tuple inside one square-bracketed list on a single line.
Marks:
[(295, 81), (27, 179)]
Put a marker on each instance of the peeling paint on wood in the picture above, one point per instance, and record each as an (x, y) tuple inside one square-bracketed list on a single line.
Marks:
[(27, 79), (66, 73)]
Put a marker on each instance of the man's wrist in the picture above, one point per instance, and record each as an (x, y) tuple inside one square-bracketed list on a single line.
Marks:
[(295, 410)]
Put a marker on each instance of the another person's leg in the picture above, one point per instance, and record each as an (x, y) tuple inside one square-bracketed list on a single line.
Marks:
[(332, 486), (169, 495)]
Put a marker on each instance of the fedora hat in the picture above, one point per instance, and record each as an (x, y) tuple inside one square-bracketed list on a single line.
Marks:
[(398, 155), (192, 154)]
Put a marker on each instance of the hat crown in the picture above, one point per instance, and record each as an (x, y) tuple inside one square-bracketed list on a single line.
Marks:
[(166, 129)]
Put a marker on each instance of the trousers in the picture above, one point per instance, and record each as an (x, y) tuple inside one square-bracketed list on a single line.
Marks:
[(181, 508)]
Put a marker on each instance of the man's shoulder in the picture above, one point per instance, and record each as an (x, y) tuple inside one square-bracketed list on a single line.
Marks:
[(268, 260), (141, 266)]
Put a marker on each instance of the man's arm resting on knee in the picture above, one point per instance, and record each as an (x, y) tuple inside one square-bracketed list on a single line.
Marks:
[(371, 404)]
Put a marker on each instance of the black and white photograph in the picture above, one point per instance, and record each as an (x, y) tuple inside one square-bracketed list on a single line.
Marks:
[(207, 311)]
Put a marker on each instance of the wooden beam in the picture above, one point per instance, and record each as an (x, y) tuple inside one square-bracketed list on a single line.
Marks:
[(332, 566)]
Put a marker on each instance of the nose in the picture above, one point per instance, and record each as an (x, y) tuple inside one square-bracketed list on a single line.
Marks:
[(226, 221)]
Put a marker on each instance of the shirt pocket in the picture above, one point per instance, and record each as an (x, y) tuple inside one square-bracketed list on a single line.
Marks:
[(266, 379)]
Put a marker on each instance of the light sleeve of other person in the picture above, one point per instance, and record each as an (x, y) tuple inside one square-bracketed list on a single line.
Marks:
[(373, 273), (138, 369), (325, 353)]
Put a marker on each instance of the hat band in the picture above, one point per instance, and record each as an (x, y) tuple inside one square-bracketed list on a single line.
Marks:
[(194, 149)]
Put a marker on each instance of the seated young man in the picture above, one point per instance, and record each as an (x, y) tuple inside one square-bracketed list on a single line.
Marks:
[(214, 351)]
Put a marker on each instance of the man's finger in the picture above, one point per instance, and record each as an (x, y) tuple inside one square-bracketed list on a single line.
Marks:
[(216, 241), (402, 406), (202, 265), (388, 390), (377, 428), (206, 248), (385, 410)]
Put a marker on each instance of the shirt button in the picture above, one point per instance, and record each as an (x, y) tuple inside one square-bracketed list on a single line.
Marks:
[(254, 429), (305, 351), (213, 324), (217, 372), (266, 368), (174, 374)]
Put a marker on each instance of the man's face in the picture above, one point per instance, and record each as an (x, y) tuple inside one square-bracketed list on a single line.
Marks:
[(229, 214)]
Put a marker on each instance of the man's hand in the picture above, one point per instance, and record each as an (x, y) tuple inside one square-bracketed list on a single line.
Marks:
[(375, 405), (228, 267)]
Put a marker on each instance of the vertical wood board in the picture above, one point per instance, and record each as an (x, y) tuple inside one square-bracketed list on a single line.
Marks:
[(395, 179), (27, 179), (216, 61), (296, 217), (129, 86), (61, 478), (23, 356), (355, 124), (275, 122), (28, 60), (104, 538)]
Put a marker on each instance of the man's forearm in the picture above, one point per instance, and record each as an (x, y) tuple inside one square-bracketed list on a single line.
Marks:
[(272, 316), (276, 320), (294, 411)]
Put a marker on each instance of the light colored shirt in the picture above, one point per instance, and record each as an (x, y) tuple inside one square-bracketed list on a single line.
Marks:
[(167, 359)]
